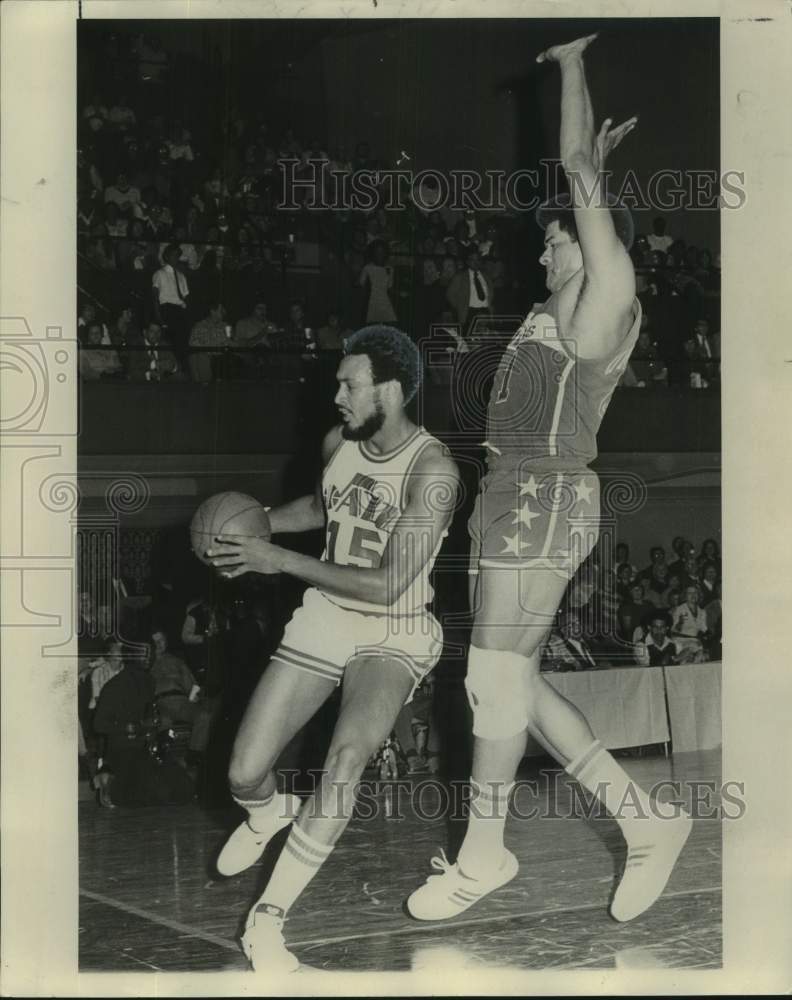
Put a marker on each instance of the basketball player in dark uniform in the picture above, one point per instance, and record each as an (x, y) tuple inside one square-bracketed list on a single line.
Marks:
[(536, 520), (385, 500)]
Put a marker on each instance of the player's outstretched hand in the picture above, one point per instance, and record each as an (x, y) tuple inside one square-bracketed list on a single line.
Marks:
[(571, 50), (232, 557), (609, 138)]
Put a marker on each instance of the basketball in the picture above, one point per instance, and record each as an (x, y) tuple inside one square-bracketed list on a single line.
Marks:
[(230, 514)]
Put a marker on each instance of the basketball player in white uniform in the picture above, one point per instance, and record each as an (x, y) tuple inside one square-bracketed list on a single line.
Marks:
[(386, 498)]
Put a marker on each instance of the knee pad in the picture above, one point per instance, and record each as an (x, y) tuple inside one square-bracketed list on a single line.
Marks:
[(496, 691)]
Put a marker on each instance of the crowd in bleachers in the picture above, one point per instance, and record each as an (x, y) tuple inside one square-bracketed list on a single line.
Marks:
[(616, 614), (182, 245)]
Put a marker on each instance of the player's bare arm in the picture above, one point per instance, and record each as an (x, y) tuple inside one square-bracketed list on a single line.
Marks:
[(306, 513), (596, 308), (432, 492)]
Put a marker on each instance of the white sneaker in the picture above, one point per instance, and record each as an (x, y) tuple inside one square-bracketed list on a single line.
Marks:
[(245, 846), (649, 866), (263, 945), (453, 892)]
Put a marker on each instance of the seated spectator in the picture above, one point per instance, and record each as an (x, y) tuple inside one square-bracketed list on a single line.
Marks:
[(708, 588), (177, 695), (211, 331), (180, 146), (646, 363), (714, 616), (658, 558), (682, 548), (295, 337), (632, 613), (255, 329), (125, 331), (96, 361), (689, 577), (105, 669), (94, 114), (624, 579), (621, 554), (689, 627), (710, 553), (125, 716), (87, 317), (121, 117), (658, 585), (122, 194), (154, 359), (202, 635), (331, 336), (656, 649)]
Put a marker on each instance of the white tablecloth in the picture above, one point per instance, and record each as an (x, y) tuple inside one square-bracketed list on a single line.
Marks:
[(625, 707), (694, 705)]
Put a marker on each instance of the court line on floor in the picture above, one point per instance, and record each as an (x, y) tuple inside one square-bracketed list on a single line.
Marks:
[(155, 918), (423, 926)]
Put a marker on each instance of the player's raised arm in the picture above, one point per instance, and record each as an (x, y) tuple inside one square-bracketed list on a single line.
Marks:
[(306, 513), (602, 314)]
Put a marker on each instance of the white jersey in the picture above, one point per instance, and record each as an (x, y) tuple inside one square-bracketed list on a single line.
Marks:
[(364, 496)]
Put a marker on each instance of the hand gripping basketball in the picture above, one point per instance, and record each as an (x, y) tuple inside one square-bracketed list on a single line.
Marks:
[(234, 515)]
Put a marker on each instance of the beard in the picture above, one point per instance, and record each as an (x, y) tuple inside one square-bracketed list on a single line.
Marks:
[(367, 429)]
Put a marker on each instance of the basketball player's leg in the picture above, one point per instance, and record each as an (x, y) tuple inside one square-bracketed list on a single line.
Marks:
[(284, 700), (374, 690)]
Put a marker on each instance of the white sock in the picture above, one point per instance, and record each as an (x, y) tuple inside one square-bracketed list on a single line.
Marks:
[(264, 814), (300, 859), (482, 850), (653, 842)]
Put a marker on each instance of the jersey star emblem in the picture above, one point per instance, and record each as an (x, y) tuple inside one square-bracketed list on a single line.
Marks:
[(512, 545), (529, 488), (523, 515), (583, 491)]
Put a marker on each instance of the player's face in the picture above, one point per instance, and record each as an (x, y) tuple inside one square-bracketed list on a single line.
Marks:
[(561, 258), (358, 399)]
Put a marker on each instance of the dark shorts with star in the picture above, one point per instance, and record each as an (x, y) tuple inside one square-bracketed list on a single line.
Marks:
[(537, 518)]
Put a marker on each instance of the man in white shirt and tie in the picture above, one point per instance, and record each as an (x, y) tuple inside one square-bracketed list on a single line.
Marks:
[(470, 291), (171, 294)]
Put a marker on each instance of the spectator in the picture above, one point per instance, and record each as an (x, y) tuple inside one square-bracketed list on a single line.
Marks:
[(106, 668), (658, 558), (659, 239), (255, 329), (704, 350), (470, 292), (645, 360), (376, 279), (170, 293), (125, 716), (115, 224), (177, 695), (631, 614), (123, 195), (708, 589), (152, 360), (96, 361), (94, 114), (296, 336), (86, 318), (331, 336), (689, 626), (121, 116), (621, 555), (202, 638), (682, 548), (690, 571), (656, 649), (211, 331), (430, 299), (624, 579), (714, 616), (710, 553), (153, 64)]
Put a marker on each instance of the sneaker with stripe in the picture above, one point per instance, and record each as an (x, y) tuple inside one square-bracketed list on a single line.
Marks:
[(452, 892), (245, 845), (263, 944)]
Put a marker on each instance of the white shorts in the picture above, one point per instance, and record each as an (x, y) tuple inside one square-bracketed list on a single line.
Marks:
[(322, 638)]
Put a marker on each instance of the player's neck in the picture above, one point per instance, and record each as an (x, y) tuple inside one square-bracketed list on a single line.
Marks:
[(393, 433)]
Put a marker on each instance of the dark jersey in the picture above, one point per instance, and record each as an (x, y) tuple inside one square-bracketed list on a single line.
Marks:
[(546, 404)]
